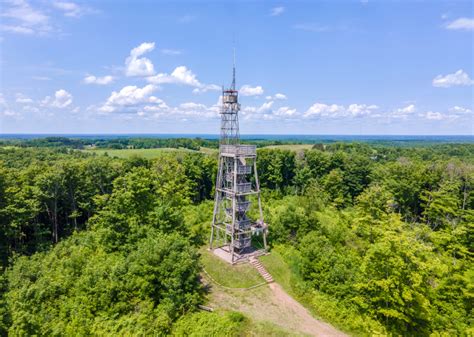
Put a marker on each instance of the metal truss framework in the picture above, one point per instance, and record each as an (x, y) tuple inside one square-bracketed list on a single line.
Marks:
[(237, 182)]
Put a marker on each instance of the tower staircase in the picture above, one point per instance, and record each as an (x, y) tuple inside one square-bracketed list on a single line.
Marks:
[(261, 269)]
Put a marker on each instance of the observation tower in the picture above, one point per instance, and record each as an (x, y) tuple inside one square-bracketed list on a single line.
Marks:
[(237, 186)]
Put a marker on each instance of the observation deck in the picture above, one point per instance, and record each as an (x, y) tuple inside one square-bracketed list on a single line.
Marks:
[(241, 170), (238, 150), (240, 190)]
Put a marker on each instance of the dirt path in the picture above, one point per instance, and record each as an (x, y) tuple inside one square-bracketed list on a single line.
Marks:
[(306, 323), (270, 303)]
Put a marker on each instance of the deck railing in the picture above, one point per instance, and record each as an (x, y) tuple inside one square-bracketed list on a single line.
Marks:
[(244, 169), (244, 187), (239, 150), (239, 207), (242, 243)]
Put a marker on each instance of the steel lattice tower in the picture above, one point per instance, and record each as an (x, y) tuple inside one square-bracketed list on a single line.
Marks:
[(237, 181)]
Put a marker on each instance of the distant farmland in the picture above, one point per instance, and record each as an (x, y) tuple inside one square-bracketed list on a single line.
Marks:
[(155, 153), (145, 153)]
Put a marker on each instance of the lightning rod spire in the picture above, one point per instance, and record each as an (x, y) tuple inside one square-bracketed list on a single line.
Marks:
[(233, 73)]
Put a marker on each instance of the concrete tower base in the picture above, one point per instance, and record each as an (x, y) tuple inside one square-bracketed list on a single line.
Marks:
[(225, 254)]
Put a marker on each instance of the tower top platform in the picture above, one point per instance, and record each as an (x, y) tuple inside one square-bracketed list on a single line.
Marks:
[(238, 150)]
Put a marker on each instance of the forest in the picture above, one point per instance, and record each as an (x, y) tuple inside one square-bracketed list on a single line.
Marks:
[(378, 238)]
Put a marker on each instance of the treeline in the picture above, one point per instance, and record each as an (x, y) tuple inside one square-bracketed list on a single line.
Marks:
[(378, 243), (379, 239), (130, 143), (111, 143), (46, 195)]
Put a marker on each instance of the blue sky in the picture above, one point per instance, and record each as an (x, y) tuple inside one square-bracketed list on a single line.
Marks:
[(328, 67)]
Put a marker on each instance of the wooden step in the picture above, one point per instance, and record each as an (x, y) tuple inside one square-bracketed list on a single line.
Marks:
[(261, 270)]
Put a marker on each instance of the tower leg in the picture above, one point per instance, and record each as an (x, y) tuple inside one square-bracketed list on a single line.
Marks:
[(233, 208), (257, 183), (212, 237), (216, 199), (232, 250), (265, 239)]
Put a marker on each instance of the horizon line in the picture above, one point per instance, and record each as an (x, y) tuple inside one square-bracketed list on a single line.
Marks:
[(199, 133)]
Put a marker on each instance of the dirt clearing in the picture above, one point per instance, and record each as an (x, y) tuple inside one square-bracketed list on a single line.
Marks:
[(270, 303)]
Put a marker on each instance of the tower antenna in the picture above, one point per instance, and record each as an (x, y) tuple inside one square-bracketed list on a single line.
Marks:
[(233, 72)]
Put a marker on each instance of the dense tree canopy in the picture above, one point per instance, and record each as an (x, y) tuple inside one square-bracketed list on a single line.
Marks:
[(98, 245)]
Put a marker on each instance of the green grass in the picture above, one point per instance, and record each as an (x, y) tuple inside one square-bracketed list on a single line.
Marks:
[(291, 147), (279, 269), (157, 153), (264, 329), (232, 276), (146, 153)]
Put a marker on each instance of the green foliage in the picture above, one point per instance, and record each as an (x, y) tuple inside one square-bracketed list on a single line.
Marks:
[(288, 218), (328, 267), (210, 324), (333, 184), (79, 289), (276, 168), (142, 199), (201, 171), (196, 218), (5, 319), (406, 180), (377, 239), (395, 285)]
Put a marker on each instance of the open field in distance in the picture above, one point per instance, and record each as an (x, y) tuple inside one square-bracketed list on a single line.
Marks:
[(155, 153), (146, 153)]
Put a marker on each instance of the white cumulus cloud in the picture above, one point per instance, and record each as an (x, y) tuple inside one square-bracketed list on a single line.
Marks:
[(61, 99), (357, 110), (130, 95), (70, 8), (459, 78), (184, 111), (265, 107), (285, 111), (22, 18), (434, 115), (461, 24), (277, 11), (91, 79), (184, 76), (192, 105), (22, 99), (247, 90), (137, 65), (280, 96), (403, 112), (459, 110), (181, 75), (264, 111), (205, 88), (321, 110), (324, 110)]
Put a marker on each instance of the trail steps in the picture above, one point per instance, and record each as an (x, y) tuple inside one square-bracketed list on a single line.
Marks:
[(261, 269)]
